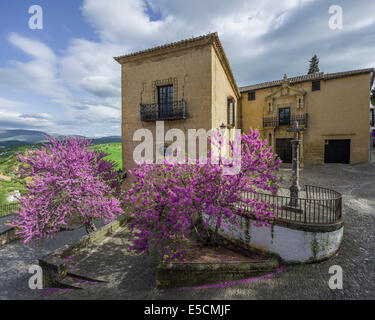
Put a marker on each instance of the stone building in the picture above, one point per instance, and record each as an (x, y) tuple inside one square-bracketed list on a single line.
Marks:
[(189, 85)]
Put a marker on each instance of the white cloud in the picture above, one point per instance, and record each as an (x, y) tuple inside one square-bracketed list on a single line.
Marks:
[(39, 75), (38, 115), (128, 20), (11, 119), (90, 66), (263, 40), (6, 103), (32, 47)]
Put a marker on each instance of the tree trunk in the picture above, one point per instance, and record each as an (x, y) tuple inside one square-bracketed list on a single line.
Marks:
[(90, 226), (214, 235), (206, 236)]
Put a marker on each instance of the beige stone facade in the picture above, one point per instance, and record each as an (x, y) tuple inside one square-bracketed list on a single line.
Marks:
[(335, 113), (196, 74)]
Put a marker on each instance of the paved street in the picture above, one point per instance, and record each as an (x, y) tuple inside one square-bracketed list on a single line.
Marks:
[(133, 277), (17, 257)]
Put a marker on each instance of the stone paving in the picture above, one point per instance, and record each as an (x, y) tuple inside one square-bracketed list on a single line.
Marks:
[(131, 276), (16, 258)]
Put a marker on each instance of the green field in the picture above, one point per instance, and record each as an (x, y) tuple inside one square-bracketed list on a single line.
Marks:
[(115, 151), (9, 163)]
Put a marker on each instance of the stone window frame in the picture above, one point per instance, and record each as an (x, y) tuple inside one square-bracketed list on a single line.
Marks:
[(164, 82)]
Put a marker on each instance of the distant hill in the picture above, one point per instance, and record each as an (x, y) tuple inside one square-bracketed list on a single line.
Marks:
[(21, 137), (110, 139), (14, 137)]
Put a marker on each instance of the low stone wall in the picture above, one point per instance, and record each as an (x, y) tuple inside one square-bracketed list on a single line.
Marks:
[(7, 233), (54, 266), (178, 274), (291, 242)]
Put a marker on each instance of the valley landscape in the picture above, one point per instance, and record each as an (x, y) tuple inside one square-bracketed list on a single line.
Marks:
[(13, 142)]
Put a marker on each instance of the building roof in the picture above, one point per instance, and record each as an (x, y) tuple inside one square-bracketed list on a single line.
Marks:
[(210, 38), (310, 77), (158, 49)]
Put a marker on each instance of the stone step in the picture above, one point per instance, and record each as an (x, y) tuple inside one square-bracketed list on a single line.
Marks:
[(73, 281), (199, 274)]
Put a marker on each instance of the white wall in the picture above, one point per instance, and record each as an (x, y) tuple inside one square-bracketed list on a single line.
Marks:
[(290, 244)]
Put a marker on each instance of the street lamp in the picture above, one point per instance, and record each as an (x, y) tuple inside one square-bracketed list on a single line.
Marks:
[(222, 131), (222, 128)]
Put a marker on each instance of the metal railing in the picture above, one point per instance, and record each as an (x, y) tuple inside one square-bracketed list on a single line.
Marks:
[(275, 122), (172, 111), (318, 206), (6, 209)]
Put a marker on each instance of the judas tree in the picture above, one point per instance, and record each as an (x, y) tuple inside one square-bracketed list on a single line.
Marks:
[(171, 200), (70, 182)]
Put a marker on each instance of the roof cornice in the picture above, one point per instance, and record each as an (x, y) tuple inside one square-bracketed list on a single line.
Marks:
[(167, 48), (310, 77)]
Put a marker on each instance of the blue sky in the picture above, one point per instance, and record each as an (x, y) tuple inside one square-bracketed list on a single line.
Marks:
[(62, 79)]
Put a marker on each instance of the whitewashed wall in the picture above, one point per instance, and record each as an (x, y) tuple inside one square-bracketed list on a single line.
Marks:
[(291, 245)]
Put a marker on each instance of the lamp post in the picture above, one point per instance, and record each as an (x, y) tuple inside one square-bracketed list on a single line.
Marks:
[(222, 128), (222, 132), (295, 188)]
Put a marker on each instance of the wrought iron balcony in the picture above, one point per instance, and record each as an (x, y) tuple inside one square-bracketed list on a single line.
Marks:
[(170, 111), (274, 122)]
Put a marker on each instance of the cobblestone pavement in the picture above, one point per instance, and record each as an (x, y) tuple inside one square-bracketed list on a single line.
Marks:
[(133, 277), (16, 258)]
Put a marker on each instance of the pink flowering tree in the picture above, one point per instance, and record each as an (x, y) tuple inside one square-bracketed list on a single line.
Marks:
[(171, 200), (70, 182)]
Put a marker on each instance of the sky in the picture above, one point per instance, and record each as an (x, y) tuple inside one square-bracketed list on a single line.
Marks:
[(63, 79)]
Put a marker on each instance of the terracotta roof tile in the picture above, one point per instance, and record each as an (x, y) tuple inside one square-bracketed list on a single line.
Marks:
[(213, 35)]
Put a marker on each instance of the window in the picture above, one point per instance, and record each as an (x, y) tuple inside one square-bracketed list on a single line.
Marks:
[(231, 112), (284, 116), (315, 85), (165, 100), (251, 95)]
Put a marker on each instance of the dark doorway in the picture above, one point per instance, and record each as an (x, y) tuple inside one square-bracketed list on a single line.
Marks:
[(165, 101), (284, 150), (337, 151)]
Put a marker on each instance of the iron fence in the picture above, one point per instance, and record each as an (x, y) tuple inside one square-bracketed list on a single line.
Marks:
[(169, 111), (6, 209), (318, 205)]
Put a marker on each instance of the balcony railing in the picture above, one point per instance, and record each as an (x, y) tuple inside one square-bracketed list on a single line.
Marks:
[(275, 122), (171, 111)]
